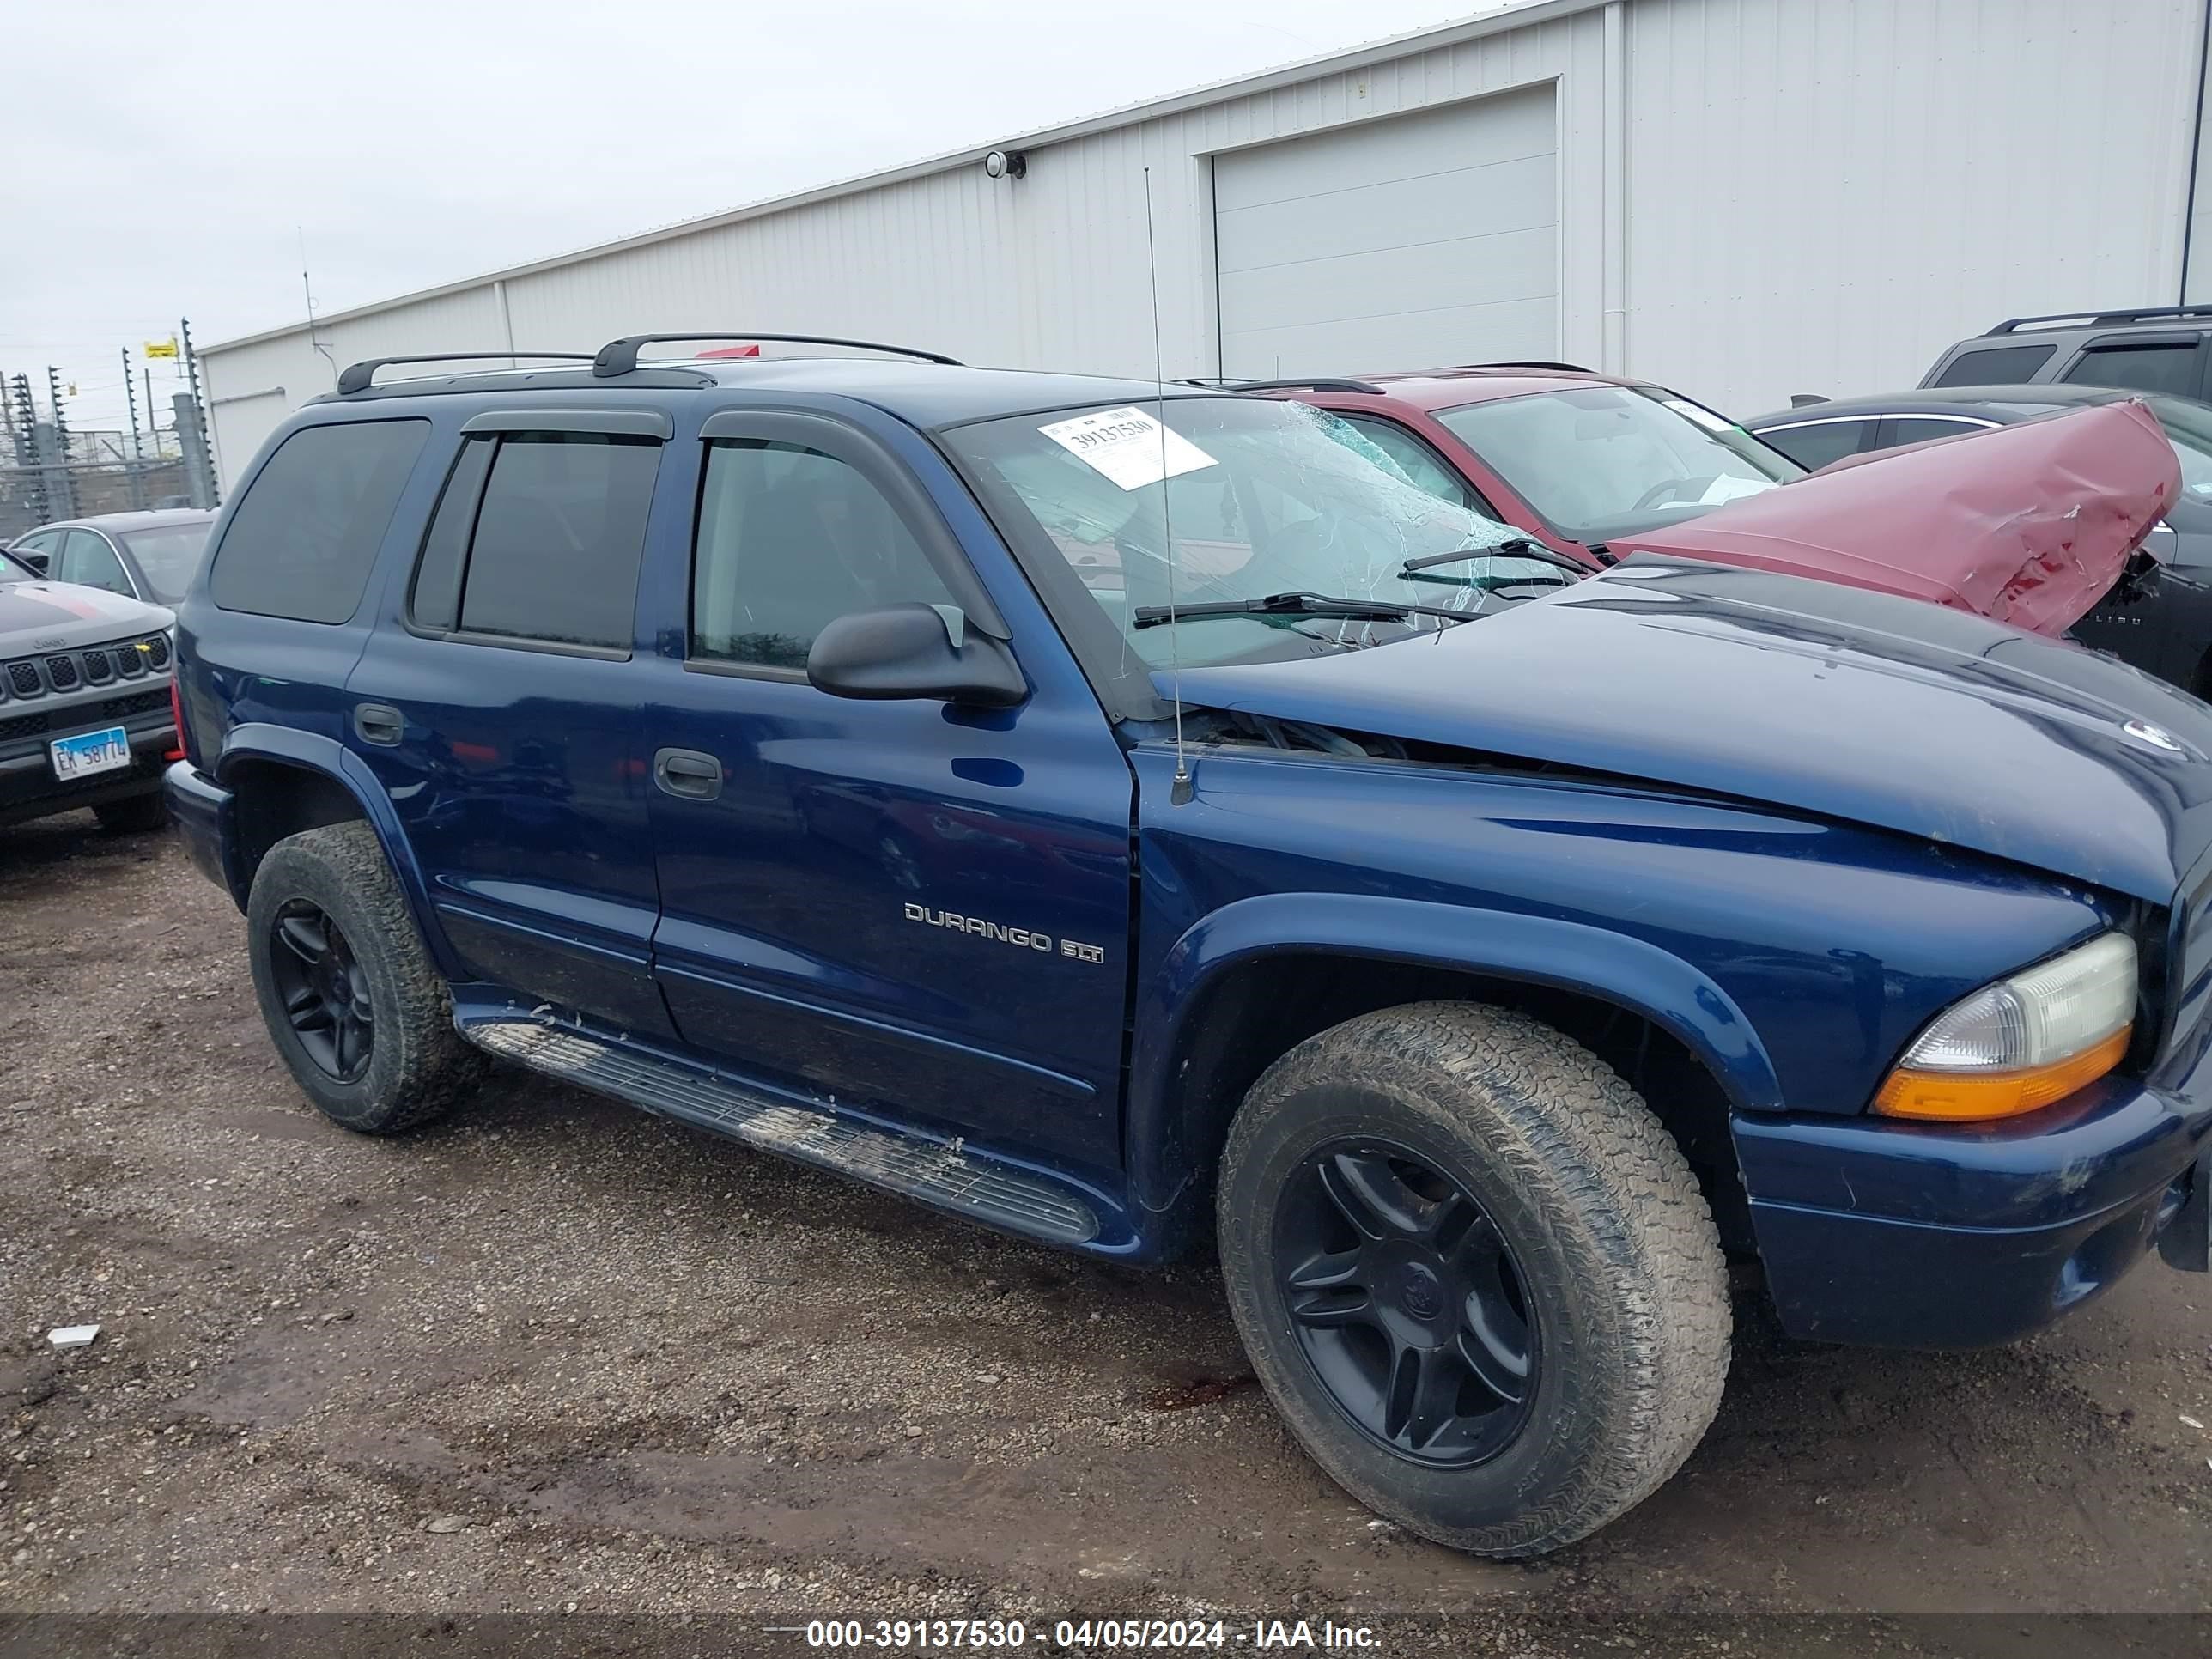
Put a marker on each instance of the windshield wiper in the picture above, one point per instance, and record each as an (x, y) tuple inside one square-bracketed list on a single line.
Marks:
[(1520, 548), (1294, 604)]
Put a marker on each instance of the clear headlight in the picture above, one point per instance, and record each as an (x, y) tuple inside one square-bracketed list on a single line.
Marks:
[(2022, 1043)]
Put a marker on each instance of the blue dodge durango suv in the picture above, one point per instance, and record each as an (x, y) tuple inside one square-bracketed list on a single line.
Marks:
[(1140, 819)]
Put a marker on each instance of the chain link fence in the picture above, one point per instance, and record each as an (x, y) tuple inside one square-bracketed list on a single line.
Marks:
[(48, 471)]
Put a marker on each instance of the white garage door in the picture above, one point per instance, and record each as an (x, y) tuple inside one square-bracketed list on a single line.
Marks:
[(1403, 243)]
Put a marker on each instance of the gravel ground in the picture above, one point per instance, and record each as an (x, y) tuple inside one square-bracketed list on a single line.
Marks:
[(551, 1354)]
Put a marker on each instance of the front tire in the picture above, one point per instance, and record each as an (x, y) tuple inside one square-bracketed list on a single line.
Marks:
[(1475, 1275), (352, 1001)]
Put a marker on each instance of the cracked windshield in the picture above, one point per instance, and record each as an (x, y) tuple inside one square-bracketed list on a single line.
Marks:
[(1262, 498)]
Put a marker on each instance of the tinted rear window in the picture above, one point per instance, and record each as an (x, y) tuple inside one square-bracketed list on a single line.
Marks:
[(558, 537), (303, 538), (1994, 365)]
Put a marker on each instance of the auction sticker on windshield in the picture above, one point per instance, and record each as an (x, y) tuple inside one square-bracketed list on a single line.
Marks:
[(94, 752), (1127, 447)]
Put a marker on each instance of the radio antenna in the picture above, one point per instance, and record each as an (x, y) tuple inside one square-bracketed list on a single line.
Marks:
[(308, 293), (1180, 793)]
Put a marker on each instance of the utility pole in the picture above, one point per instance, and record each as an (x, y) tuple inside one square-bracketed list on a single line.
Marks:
[(137, 454), (201, 458), (61, 486), (23, 416), (192, 442)]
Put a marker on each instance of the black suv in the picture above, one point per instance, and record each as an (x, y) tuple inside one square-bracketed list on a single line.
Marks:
[(2151, 349)]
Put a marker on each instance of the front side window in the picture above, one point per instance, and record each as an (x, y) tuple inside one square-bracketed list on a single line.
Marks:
[(303, 538), (537, 537), (169, 558), (1609, 460), (790, 540), (1237, 498), (2171, 369), (89, 561)]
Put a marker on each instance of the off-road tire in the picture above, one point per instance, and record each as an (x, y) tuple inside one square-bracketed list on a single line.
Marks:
[(418, 1066), (135, 815), (1615, 1245)]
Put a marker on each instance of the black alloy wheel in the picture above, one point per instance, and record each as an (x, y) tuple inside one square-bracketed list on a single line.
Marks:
[(1408, 1302), (325, 992)]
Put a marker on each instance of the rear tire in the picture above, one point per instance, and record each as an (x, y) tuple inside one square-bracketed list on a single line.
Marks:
[(1470, 1187), (352, 1001), (138, 815)]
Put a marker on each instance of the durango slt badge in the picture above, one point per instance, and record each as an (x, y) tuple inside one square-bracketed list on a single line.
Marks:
[(1000, 932)]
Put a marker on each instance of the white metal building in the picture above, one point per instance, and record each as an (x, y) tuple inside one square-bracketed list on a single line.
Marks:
[(1742, 198)]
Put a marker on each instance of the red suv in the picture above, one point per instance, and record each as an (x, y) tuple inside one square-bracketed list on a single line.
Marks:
[(1570, 457)]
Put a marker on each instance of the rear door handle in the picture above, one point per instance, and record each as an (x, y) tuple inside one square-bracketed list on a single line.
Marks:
[(687, 774), (378, 723)]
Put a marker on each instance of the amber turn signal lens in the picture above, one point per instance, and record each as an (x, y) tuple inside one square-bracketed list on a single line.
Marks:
[(1955, 1096)]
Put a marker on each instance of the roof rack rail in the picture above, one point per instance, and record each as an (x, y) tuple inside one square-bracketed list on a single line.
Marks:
[(2103, 318), (620, 356), (1532, 362), (357, 377), (1308, 383)]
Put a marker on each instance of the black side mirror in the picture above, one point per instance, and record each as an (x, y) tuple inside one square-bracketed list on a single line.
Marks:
[(38, 561), (913, 651)]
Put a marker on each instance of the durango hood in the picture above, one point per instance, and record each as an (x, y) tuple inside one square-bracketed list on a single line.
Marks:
[(44, 615), (2029, 524), (1833, 701)]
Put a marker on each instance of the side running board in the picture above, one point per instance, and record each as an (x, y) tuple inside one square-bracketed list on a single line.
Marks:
[(942, 1176)]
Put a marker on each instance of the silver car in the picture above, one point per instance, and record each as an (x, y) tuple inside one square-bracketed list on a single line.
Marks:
[(143, 555)]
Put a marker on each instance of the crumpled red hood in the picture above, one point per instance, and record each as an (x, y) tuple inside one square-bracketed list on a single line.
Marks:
[(2029, 525)]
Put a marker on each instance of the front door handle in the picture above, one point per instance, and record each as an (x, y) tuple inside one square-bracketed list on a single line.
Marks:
[(687, 774), (378, 723)]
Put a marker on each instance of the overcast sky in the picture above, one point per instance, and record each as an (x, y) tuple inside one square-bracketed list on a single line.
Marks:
[(164, 161)]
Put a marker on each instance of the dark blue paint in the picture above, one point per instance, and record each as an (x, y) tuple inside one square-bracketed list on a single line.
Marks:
[(805, 924), (1830, 700), (522, 786), (264, 740), (1717, 921), (1787, 824), (207, 819), (1976, 1236)]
